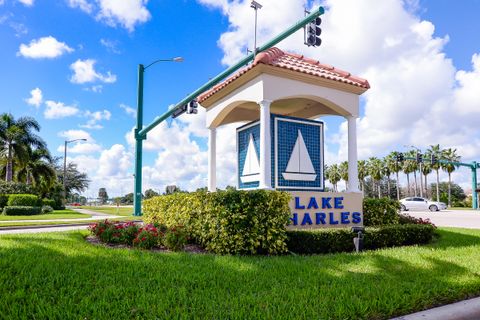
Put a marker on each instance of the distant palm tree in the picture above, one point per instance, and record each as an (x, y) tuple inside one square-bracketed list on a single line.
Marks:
[(387, 171), (450, 155), (343, 168), (362, 174), (437, 152), (375, 169), (39, 165), (395, 166), (15, 137), (426, 170), (408, 167), (333, 175)]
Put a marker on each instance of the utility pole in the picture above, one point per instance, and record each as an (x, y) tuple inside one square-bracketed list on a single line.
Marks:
[(255, 5)]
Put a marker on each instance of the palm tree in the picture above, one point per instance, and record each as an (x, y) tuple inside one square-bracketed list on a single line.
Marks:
[(375, 169), (15, 137), (333, 175), (343, 168), (386, 170), (452, 156), (408, 167), (426, 170), (362, 174), (438, 153), (38, 166), (395, 166)]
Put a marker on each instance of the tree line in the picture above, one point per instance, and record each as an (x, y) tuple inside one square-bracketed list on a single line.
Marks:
[(379, 169), (25, 159)]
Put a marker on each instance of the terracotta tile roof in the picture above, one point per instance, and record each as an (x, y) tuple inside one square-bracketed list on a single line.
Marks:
[(277, 58)]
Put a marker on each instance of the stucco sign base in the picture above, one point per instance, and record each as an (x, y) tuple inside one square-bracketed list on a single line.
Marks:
[(316, 210)]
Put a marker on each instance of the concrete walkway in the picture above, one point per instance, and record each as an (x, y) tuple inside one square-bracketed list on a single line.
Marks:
[(463, 310), (94, 216)]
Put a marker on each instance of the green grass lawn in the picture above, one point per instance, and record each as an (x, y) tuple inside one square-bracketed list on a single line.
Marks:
[(56, 214), (60, 276), (120, 211)]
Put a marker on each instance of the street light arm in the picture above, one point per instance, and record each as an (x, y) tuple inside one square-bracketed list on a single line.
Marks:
[(69, 141), (176, 59)]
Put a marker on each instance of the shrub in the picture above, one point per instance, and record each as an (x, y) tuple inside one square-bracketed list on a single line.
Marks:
[(15, 188), (407, 219), (378, 212), (341, 240), (21, 211), (147, 237), (3, 200), (175, 238), (48, 202), (130, 231), (226, 222), (103, 230), (47, 209), (29, 200)]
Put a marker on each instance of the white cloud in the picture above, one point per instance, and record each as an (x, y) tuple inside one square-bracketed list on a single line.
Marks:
[(95, 117), (129, 110), (27, 3), (46, 47), (74, 134), (81, 148), (84, 72), (111, 45), (127, 13), (36, 98), (58, 110), (114, 162), (81, 4)]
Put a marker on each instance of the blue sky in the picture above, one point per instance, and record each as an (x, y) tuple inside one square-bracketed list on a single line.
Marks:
[(82, 55)]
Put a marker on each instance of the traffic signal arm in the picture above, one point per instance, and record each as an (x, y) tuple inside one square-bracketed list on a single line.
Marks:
[(226, 73)]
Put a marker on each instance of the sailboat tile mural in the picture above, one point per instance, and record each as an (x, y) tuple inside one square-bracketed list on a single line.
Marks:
[(297, 154)]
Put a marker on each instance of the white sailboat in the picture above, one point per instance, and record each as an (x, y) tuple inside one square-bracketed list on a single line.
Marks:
[(300, 167), (251, 168)]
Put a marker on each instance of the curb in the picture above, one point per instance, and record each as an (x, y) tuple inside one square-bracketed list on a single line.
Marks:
[(463, 310), (52, 225)]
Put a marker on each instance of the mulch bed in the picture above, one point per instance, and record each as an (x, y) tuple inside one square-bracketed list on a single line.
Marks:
[(189, 248)]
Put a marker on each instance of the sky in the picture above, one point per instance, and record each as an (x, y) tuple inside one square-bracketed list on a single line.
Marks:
[(72, 64)]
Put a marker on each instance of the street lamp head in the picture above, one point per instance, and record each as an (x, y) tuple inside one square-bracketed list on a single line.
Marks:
[(178, 59)]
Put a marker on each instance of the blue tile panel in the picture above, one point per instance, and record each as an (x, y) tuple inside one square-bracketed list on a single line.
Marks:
[(287, 133), (243, 135)]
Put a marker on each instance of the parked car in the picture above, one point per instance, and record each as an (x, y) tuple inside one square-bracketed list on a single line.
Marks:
[(421, 204)]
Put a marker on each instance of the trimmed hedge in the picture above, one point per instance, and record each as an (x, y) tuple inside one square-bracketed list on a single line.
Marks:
[(379, 212), (3, 200), (341, 240), (226, 222), (24, 200), (49, 202), (21, 211)]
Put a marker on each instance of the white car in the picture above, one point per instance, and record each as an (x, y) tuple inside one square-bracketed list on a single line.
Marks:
[(421, 204)]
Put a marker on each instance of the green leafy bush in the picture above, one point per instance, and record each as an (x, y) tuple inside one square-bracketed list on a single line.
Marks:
[(3, 200), (29, 200), (378, 212), (21, 210), (175, 238), (407, 219), (47, 209), (15, 188), (49, 202), (226, 222), (341, 240)]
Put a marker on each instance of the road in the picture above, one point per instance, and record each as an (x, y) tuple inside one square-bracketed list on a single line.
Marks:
[(451, 218)]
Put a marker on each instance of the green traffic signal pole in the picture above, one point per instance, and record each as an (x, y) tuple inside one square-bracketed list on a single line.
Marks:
[(473, 166), (141, 133)]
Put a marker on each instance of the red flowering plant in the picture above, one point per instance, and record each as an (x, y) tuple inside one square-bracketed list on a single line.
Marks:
[(105, 231), (147, 237), (407, 219), (130, 231)]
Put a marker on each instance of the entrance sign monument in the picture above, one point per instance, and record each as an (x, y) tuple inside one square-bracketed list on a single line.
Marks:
[(280, 98)]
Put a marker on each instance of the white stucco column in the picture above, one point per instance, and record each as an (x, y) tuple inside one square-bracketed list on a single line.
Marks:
[(352, 155), (212, 159), (265, 145)]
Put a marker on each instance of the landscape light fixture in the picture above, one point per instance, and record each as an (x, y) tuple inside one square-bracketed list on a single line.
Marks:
[(358, 240), (65, 168)]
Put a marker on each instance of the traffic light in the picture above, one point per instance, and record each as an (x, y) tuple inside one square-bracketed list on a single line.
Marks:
[(419, 157), (179, 111), (400, 157), (192, 107), (433, 159), (313, 32)]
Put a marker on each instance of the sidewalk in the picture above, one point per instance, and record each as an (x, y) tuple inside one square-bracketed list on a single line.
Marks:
[(463, 310), (94, 216)]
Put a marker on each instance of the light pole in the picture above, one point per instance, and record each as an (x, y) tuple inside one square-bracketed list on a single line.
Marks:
[(65, 169), (137, 193)]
